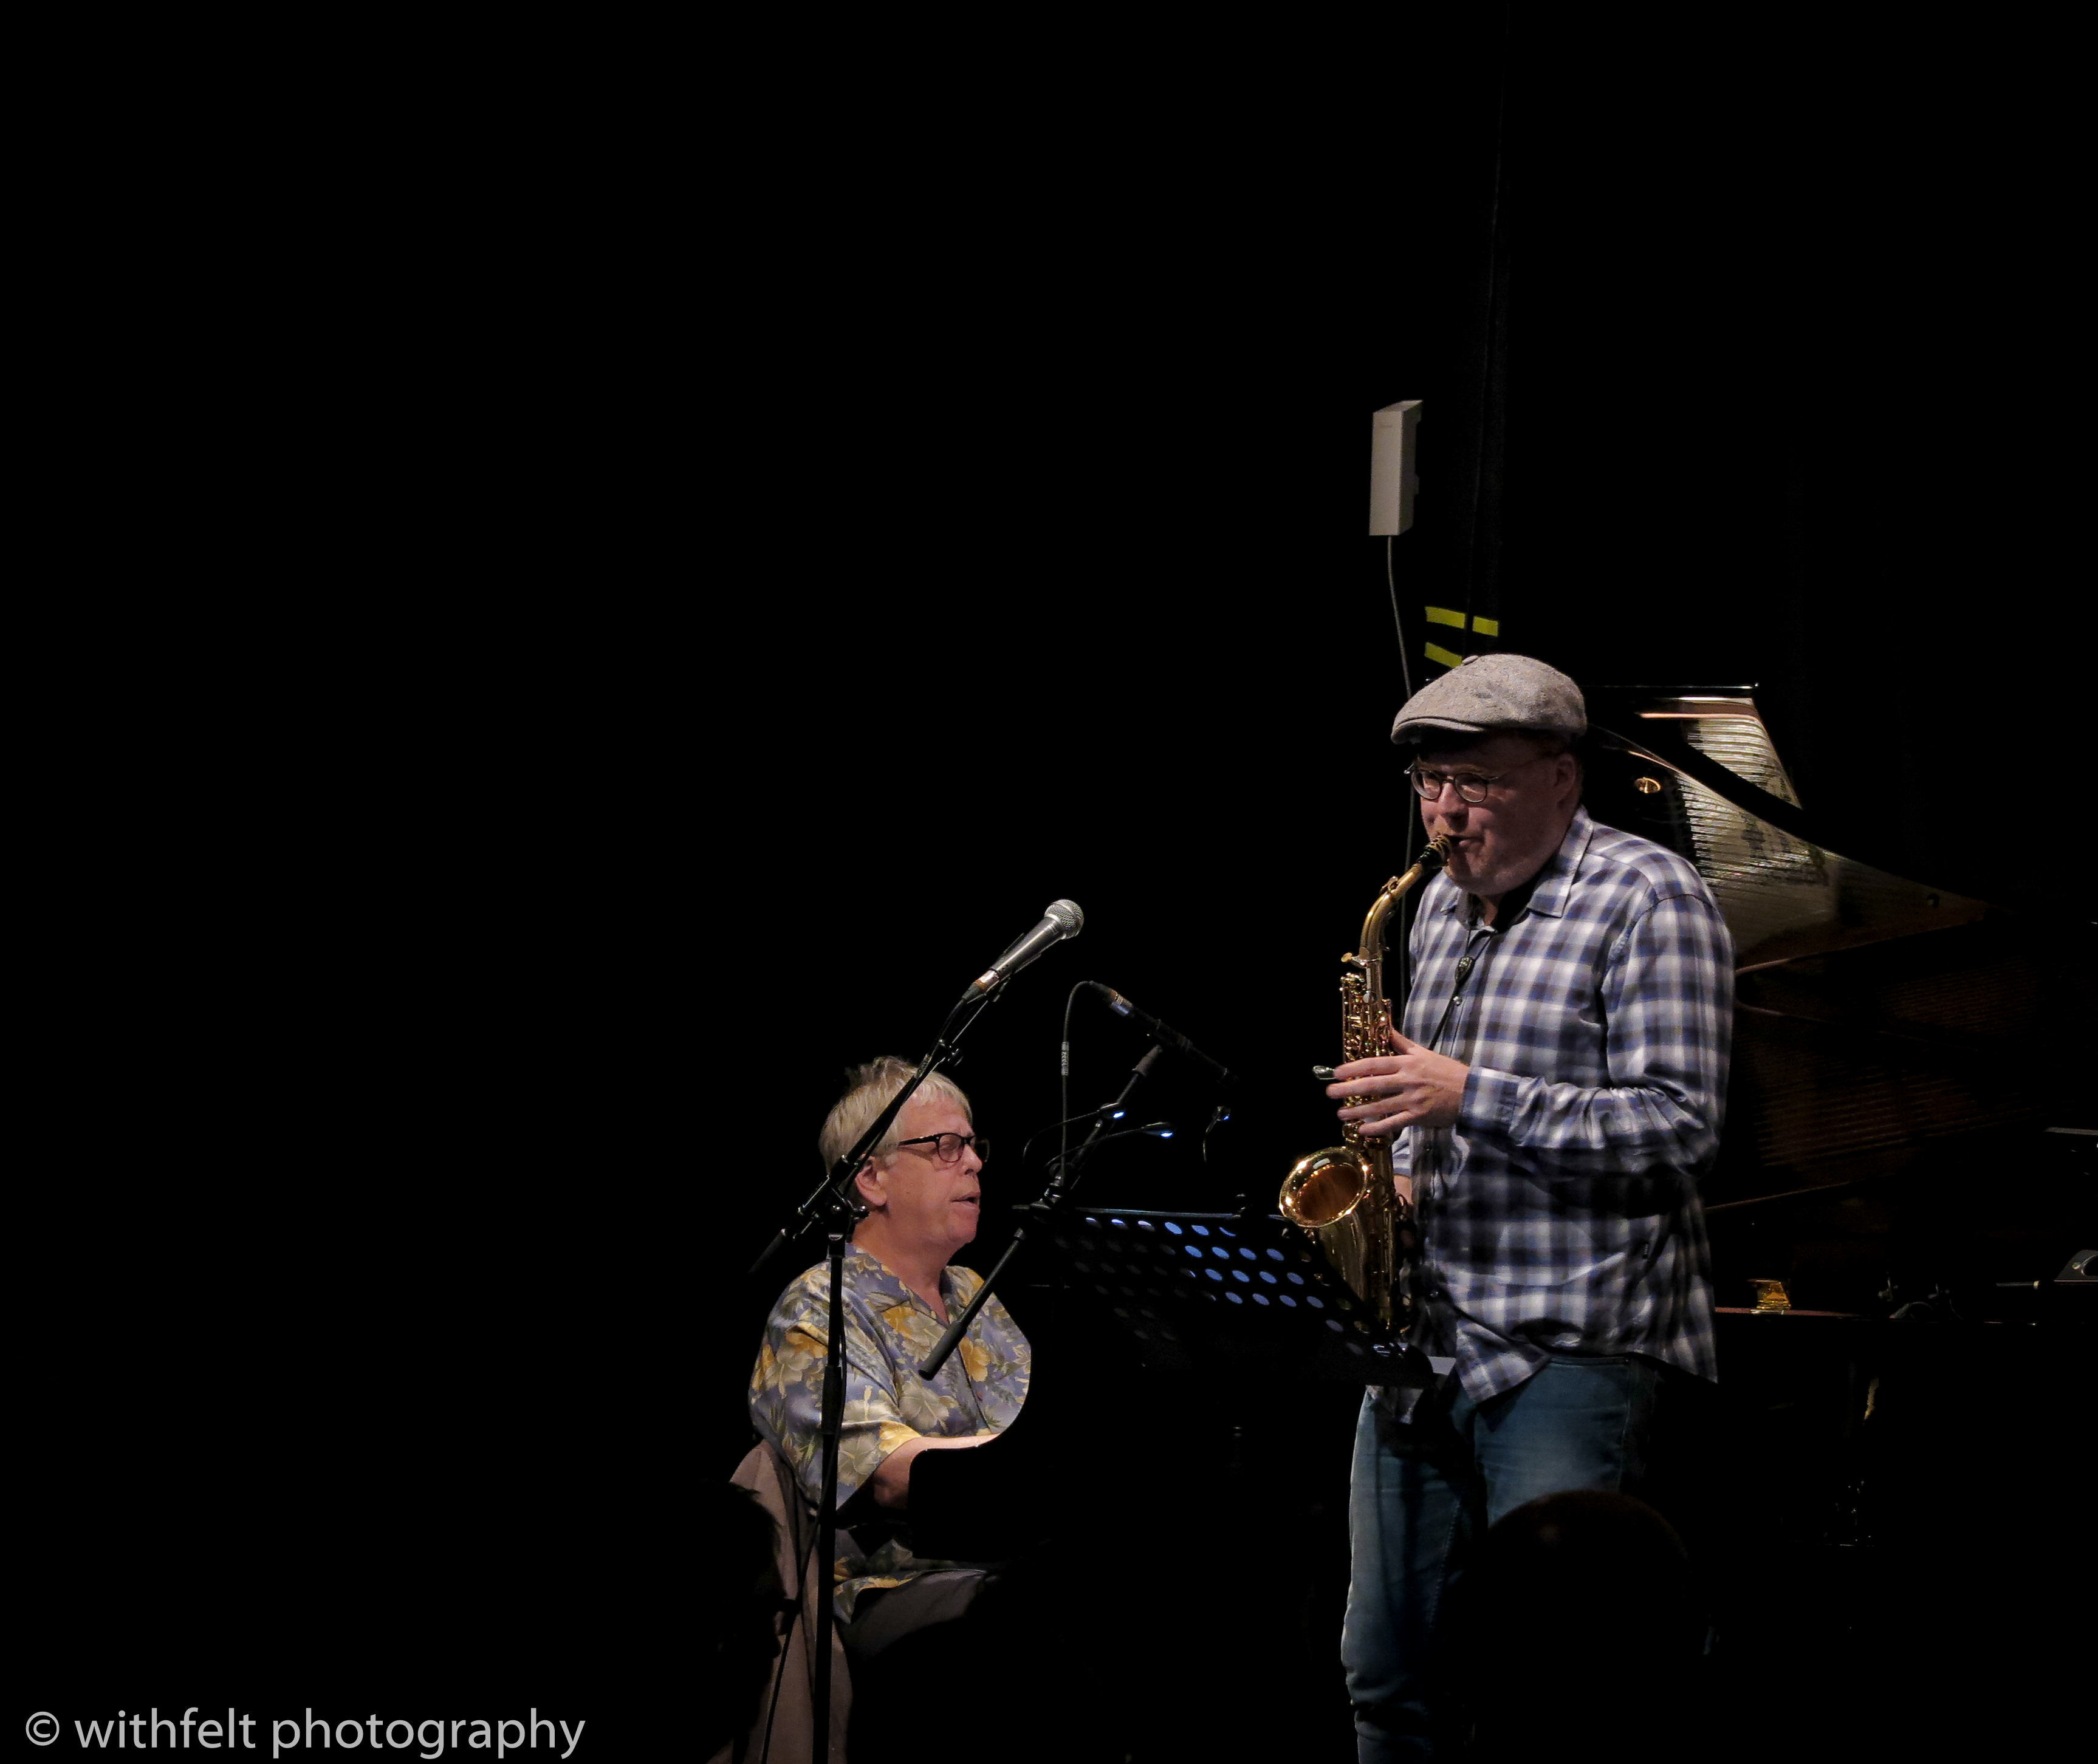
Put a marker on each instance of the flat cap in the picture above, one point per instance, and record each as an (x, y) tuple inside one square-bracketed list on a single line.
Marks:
[(1492, 692)]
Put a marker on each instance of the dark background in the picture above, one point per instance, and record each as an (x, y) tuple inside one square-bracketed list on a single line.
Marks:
[(658, 615)]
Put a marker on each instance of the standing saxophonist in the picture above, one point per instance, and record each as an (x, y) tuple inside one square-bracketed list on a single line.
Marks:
[(1553, 1096)]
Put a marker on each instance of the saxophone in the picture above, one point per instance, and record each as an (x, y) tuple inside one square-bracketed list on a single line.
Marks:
[(1343, 1198)]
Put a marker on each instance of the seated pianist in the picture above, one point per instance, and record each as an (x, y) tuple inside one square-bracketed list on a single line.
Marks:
[(923, 1190)]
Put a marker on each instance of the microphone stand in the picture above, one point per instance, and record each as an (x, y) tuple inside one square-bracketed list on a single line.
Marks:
[(1063, 1178), (836, 1208)]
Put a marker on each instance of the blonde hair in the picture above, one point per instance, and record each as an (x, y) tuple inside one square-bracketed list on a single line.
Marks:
[(869, 1090)]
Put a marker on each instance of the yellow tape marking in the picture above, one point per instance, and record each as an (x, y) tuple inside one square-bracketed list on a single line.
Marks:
[(1487, 627), (1444, 616), (1436, 652)]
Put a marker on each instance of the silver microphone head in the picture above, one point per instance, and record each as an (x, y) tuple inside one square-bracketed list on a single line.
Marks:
[(1060, 920)]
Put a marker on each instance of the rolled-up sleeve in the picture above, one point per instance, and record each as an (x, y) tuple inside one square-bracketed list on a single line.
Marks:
[(786, 1398)]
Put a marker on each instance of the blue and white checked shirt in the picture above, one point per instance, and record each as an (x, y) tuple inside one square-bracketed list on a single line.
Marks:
[(1560, 1213)]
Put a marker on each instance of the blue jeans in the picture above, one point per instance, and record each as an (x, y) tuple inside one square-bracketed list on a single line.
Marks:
[(1425, 1489)]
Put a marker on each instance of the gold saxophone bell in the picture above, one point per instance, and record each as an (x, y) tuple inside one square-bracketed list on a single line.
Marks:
[(1342, 1197)]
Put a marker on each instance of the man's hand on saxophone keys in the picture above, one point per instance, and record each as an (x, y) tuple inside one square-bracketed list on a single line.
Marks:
[(1412, 1088)]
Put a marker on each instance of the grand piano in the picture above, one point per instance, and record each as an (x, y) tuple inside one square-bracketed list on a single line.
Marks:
[(1901, 1221), (1903, 1117)]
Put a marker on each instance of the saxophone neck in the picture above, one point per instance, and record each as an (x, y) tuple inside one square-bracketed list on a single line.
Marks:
[(1396, 890)]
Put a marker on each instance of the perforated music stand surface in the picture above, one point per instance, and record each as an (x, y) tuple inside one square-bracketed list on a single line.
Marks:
[(1195, 1291)]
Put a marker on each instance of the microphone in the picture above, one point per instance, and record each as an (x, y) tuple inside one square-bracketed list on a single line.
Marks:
[(1060, 920), (1162, 1032)]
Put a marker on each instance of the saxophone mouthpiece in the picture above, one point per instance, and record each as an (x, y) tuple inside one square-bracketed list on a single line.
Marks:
[(1438, 852)]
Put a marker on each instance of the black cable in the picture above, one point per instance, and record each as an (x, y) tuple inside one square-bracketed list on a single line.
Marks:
[(1494, 312), (1063, 1091), (1034, 1140), (1407, 908), (1391, 582), (1406, 682)]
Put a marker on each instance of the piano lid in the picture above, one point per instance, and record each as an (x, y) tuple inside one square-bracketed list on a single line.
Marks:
[(1879, 1019)]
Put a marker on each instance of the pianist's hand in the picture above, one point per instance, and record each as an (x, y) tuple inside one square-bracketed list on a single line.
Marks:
[(1412, 1088), (891, 1480)]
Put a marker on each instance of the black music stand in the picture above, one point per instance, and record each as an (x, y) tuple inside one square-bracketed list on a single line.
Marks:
[(1238, 1295), (1242, 1290)]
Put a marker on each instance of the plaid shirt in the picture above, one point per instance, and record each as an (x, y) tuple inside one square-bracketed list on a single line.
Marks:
[(1560, 1215)]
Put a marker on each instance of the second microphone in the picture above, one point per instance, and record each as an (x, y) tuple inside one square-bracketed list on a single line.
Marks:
[(1160, 1031)]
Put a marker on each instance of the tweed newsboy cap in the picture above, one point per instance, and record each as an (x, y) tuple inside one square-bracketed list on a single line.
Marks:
[(1493, 693)]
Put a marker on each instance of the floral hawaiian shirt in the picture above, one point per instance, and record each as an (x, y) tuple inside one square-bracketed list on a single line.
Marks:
[(888, 1330)]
